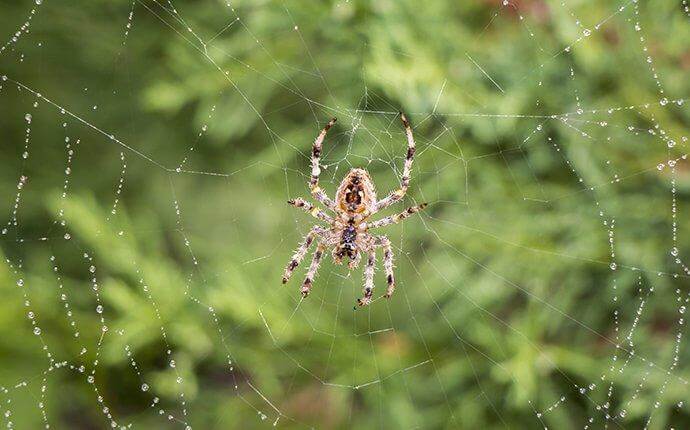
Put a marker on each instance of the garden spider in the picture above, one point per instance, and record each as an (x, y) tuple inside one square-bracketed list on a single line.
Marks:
[(348, 235)]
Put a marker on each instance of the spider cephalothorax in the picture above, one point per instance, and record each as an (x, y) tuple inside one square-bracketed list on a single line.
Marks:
[(348, 233), (348, 244)]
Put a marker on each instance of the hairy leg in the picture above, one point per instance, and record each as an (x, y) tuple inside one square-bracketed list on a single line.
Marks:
[(300, 252), (311, 209), (405, 180), (368, 279), (394, 219), (311, 273), (387, 264), (316, 191)]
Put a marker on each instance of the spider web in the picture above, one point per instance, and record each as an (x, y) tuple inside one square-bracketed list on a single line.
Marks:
[(138, 308)]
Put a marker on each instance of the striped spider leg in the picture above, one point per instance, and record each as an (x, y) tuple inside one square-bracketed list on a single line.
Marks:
[(407, 168), (301, 251), (394, 219), (311, 209), (371, 243), (316, 191), (387, 264), (313, 267), (368, 279)]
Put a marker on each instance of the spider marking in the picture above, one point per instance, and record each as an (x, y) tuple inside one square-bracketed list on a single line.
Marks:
[(348, 233)]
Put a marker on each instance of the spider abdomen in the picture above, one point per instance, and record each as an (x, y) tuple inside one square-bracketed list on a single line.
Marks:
[(356, 193)]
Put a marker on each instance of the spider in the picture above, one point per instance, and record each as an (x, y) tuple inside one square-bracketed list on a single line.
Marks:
[(348, 233)]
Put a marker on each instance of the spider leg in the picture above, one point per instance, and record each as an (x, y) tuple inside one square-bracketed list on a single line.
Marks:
[(311, 209), (316, 191), (394, 219), (311, 273), (368, 279), (405, 180), (300, 252), (387, 264)]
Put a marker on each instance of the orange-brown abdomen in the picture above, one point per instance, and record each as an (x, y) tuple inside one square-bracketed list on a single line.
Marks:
[(356, 193)]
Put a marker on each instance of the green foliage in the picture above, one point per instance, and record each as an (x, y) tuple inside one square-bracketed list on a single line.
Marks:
[(506, 300)]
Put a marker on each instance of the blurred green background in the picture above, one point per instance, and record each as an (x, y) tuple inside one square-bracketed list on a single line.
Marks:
[(141, 283)]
